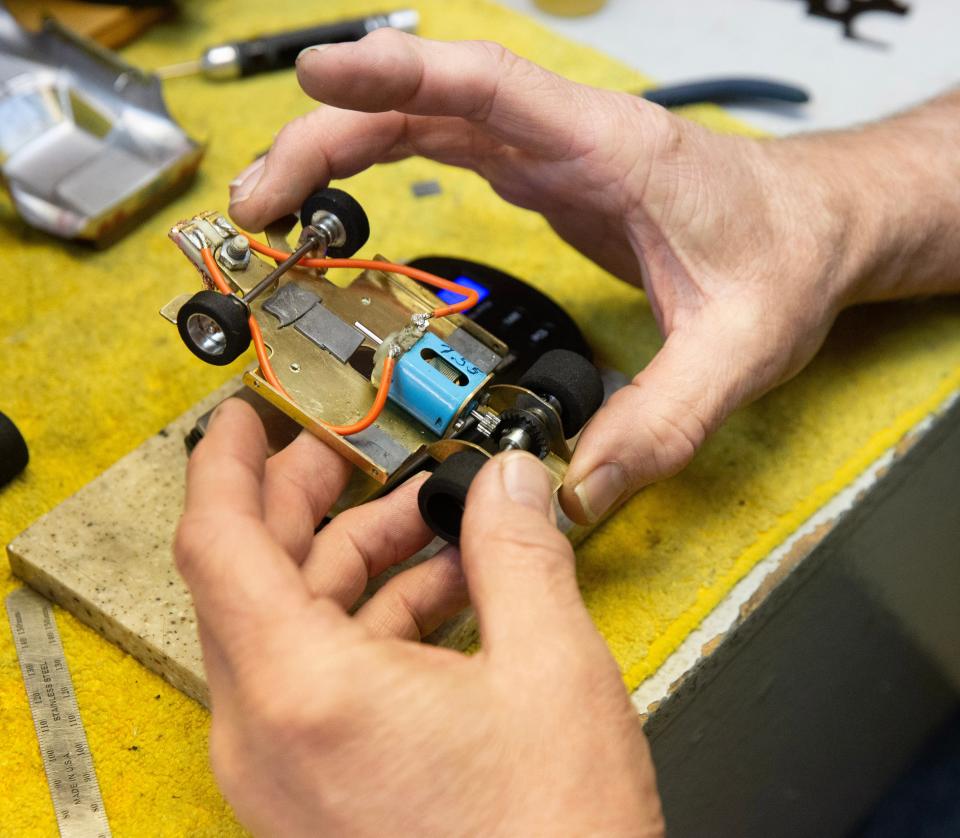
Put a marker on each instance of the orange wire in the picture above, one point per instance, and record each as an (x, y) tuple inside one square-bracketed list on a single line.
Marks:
[(256, 335), (386, 376), (267, 368), (471, 297)]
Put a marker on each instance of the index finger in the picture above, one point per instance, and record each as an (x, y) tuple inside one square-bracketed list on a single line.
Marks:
[(514, 100), (237, 573)]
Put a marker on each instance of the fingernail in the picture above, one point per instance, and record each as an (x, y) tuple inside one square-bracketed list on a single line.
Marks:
[(242, 186), (314, 48), (526, 481), (600, 489)]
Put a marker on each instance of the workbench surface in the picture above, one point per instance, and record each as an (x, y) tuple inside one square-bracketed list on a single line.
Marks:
[(91, 371)]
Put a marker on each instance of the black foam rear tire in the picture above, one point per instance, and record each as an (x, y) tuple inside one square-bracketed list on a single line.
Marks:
[(14, 454), (351, 215), (444, 493), (570, 379), (198, 320)]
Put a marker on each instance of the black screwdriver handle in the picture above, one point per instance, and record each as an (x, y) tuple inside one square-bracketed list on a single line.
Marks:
[(279, 52)]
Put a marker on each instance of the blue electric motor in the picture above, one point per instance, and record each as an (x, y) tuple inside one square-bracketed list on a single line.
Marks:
[(432, 382)]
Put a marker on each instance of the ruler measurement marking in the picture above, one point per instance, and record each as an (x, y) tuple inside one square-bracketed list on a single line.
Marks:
[(77, 802)]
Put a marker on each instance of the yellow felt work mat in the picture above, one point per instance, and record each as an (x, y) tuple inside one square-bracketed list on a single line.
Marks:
[(90, 371)]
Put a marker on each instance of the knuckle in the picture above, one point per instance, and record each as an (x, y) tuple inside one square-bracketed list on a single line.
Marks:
[(403, 616), (189, 543), (286, 717), (292, 132), (498, 54), (677, 434), (666, 433), (384, 36), (505, 61), (498, 64), (358, 535), (529, 548), (223, 758)]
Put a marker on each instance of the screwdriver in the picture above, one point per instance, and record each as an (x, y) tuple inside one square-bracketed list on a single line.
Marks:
[(279, 51)]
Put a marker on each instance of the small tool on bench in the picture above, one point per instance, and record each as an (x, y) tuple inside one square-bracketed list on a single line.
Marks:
[(280, 50), (64, 750), (726, 91)]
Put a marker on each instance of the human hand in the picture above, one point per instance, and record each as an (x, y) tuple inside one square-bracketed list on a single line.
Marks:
[(325, 723), (735, 240)]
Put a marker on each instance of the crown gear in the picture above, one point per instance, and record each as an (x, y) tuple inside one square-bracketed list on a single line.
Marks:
[(512, 419)]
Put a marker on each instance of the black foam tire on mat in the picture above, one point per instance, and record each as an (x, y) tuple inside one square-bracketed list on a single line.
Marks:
[(572, 380), (444, 493), (14, 454), (229, 313), (351, 215)]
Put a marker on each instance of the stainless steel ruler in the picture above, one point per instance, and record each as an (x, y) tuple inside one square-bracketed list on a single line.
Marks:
[(56, 717)]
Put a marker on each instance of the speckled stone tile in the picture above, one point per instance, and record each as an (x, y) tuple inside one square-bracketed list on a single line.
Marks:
[(104, 554)]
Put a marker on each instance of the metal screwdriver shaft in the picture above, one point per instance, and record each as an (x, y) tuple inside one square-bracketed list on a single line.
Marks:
[(279, 51)]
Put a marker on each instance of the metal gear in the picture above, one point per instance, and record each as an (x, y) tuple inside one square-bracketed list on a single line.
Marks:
[(514, 418)]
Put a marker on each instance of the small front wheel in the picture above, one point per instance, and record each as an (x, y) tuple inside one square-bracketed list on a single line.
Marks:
[(215, 327), (352, 229)]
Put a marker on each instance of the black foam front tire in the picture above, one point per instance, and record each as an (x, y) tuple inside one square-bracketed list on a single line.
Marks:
[(14, 454), (351, 215), (196, 329), (570, 379), (444, 493)]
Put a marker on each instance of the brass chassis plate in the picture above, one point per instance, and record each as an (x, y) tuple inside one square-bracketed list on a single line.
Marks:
[(323, 390)]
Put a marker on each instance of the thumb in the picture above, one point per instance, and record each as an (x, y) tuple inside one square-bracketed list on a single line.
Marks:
[(651, 428), (518, 566)]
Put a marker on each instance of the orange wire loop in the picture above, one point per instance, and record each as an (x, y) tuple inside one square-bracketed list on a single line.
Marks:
[(266, 367), (386, 376), (471, 297)]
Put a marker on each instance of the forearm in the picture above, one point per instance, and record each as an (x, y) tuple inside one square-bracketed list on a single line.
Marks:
[(893, 188)]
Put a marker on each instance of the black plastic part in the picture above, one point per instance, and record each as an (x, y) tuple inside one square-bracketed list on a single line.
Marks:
[(346, 208), (229, 313), (444, 493), (725, 91), (279, 51), (572, 380), (14, 454)]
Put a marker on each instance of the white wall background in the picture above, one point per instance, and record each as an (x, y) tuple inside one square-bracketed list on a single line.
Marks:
[(678, 40)]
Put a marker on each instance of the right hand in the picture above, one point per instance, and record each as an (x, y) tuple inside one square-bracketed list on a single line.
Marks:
[(333, 719), (735, 242)]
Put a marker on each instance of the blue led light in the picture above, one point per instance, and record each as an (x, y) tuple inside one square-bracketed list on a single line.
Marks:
[(451, 297)]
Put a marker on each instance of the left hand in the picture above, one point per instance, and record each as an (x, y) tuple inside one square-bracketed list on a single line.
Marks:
[(710, 225), (327, 724)]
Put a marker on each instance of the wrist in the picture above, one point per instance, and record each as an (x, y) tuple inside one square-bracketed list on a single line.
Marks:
[(890, 195), (827, 203)]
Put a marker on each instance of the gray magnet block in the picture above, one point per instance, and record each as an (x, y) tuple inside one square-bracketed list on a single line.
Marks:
[(471, 349), (290, 302), (380, 447), (329, 332)]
